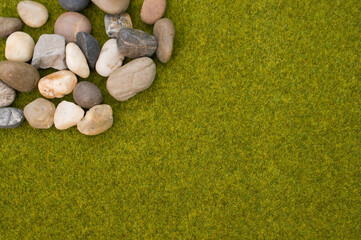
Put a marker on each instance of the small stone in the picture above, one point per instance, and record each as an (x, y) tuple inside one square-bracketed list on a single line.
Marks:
[(109, 59), (69, 24), (89, 46), (112, 6), (87, 95), (164, 32), (9, 26), (11, 117), (19, 47), (20, 76), (97, 120), (135, 43), (40, 113), (132, 78), (58, 84), (74, 6), (76, 61), (33, 14), (7, 95), (113, 23), (67, 115), (153, 10), (49, 52)]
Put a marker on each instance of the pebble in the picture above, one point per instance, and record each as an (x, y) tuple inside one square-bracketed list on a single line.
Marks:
[(67, 115), (112, 6), (74, 6), (164, 32), (20, 76), (7, 95), (33, 14), (76, 61), (40, 113), (19, 47), (89, 46), (114, 23), (87, 95), (135, 43), (69, 24), (58, 84), (109, 59), (11, 117), (153, 10), (97, 120), (9, 25), (49, 52), (132, 78)]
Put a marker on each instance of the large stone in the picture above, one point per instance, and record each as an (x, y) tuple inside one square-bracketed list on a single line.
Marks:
[(109, 59), (9, 26), (131, 79), (67, 115), (20, 76), (89, 46), (40, 113), (112, 6), (74, 6), (33, 14), (7, 95), (87, 94), (69, 24), (11, 117), (114, 23), (58, 84), (164, 32), (19, 47), (76, 61), (97, 120), (135, 43), (49, 52), (153, 10)]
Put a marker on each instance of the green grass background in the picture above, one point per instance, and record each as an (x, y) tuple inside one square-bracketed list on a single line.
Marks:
[(252, 131)]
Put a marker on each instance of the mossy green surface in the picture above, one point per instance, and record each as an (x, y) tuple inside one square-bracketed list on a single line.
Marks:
[(252, 131)]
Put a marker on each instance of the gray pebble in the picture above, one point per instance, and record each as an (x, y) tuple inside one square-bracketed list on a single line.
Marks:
[(7, 95), (87, 94), (114, 23), (89, 46), (11, 117), (74, 5)]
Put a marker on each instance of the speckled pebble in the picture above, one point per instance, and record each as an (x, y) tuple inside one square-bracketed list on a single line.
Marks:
[(11, 117), (135, 43), (114, 23), (7, 95)]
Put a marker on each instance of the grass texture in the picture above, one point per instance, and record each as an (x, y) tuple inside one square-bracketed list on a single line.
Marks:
[(252, 131)]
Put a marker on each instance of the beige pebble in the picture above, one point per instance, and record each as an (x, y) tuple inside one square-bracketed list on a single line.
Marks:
[(164, 32), (69, 24), (97, 120), (32, 13), (19, 47), (112, 6), (76, 61), (153, 10), (58, 84), (67, 115), (40, 113)]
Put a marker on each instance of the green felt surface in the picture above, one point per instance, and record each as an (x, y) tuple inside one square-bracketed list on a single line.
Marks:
[(252, 131)]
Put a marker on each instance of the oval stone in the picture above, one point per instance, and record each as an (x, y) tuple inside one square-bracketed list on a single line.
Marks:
[(114, 23), (164, 32), (74, 6), (20, 76), (67, 115), (153, 10), (131, 79), (70, 23), (76, 61), (87, 94), (11, 117), (9, 25), (112, 6), (58, 84), (109, 59), (89, 46), (135, 43), (7, 95), (97, 120), (33, 14), (19, 47), (40, 113)]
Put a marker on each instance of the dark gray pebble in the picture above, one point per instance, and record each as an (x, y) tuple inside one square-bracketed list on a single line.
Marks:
[(87, 94), (89, 46), (74, 5)]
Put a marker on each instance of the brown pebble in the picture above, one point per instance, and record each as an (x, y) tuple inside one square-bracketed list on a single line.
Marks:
[(153, 10), (9, 26), (69, 24), (164, 32)]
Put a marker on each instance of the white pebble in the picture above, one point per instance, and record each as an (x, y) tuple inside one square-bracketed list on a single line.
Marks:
[(76, 61), (109, 59), (67, 115), (19, 47)]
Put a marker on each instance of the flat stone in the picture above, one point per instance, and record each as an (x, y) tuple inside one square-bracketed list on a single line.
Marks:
[(69, 24), (7, 95), (87, 94), (114, 23), (40, 113), (76, 61), (11, 117), (164, 32), (112, 6), (49, 52), (19, 47), (32, 13), (109, 59), (58, 84), (74, 6), (135, 43), (89, 46), (153, 10), (67, 115), (132, 78), (97, 120), (20, 76), (9, 26)]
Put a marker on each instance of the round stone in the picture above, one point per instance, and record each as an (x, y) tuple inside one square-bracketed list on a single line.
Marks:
[(7, 95), (76, 61), (11, 117), (97, 120), (19, 47), (113, 23), (87, 94), (74, 6), (89, 46), (9, 25), (164, 32), (20, 76), (33, 14), (58, 84), (112, 6), (67, 115), (135, 43), (109, 59), (153, 10), (40, 113), (69, 24)]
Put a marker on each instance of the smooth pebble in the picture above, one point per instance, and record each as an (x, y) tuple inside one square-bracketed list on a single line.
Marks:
[(9, 26), (87, 94), (69, 24), (109, 59), (164, 32), (58, 84), (40, 113), (74, 5), (19, 47), (97, 120), (112, 6), (32, 13), (153, 10), (76, 61), (89, 46), (67, 115)]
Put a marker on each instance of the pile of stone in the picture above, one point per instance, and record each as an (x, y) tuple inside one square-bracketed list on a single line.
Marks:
[(74, 52)]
